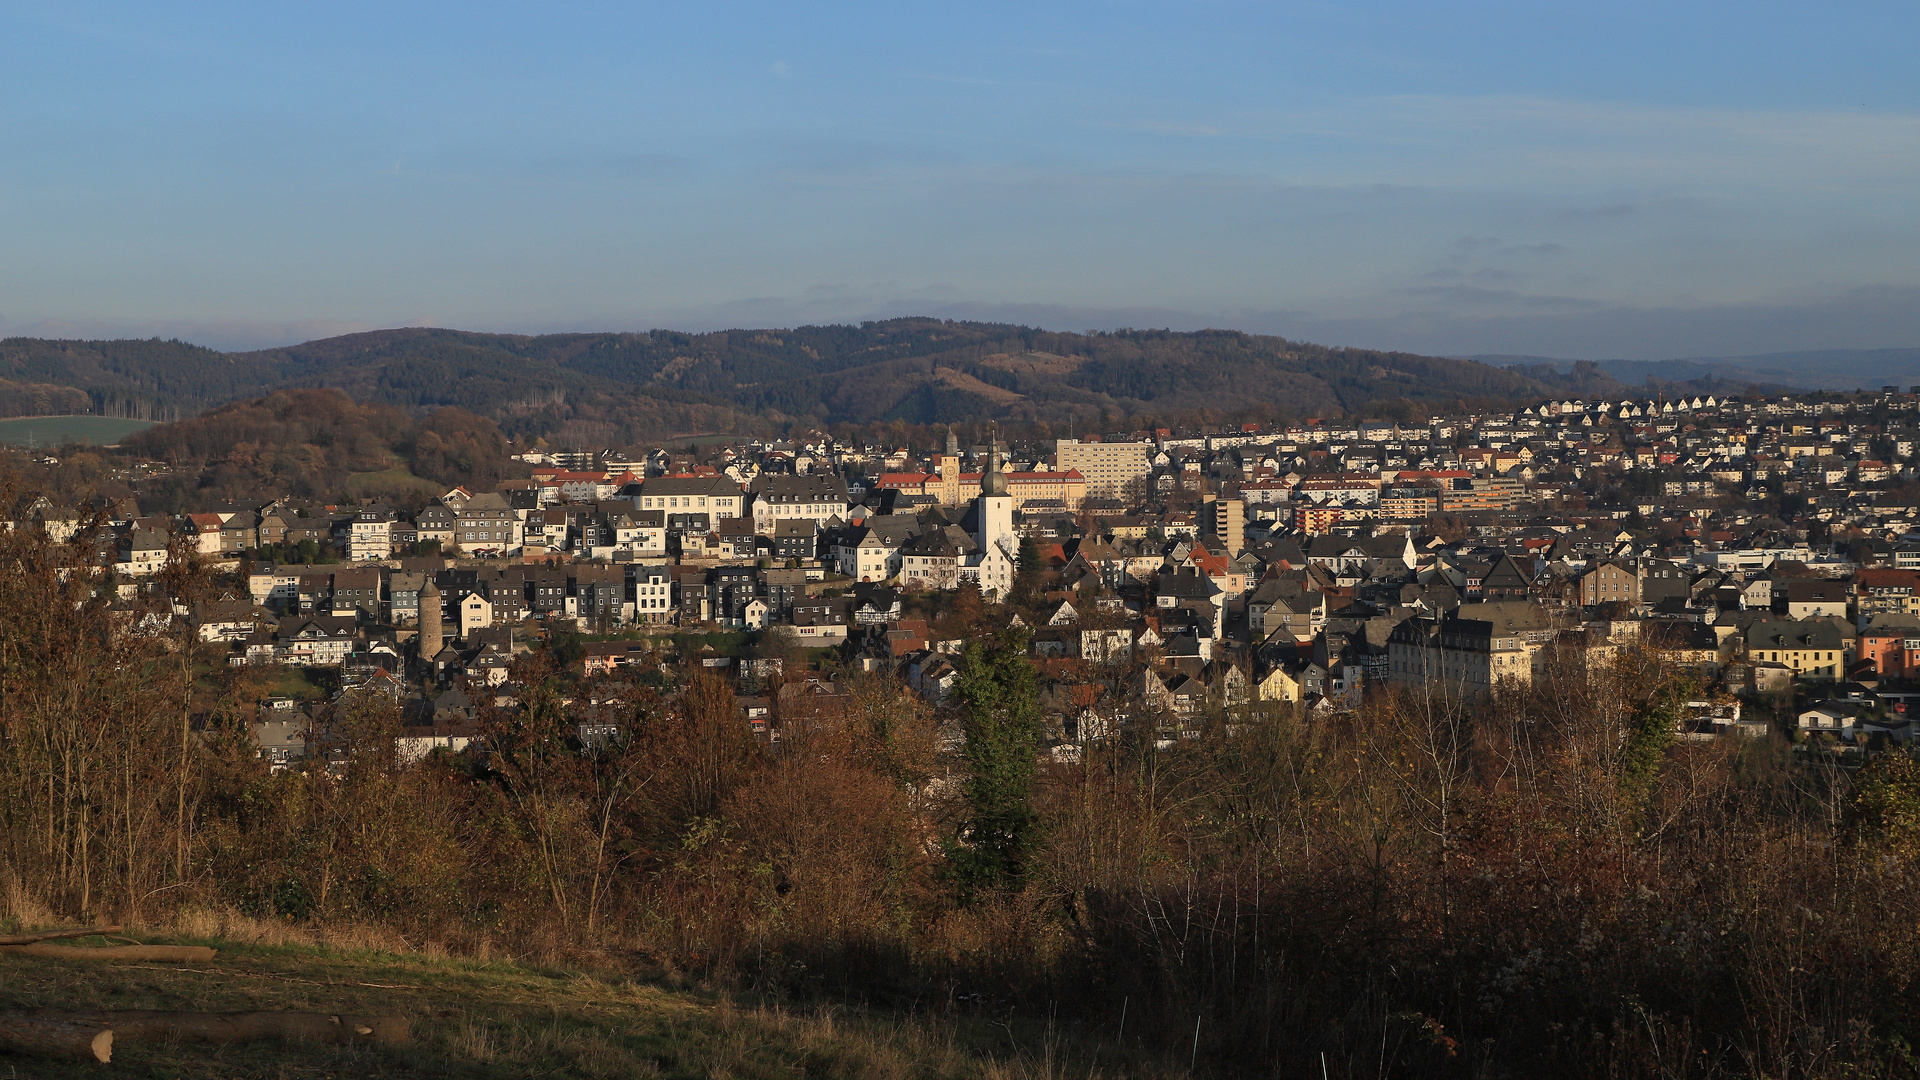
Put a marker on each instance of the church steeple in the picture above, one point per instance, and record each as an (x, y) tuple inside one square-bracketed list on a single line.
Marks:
[(993, 512), (995, 481)]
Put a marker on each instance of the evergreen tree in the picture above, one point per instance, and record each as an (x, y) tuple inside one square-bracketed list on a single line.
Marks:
[(1653, 728), (1029, 557), (1026, 574), (1884, 813), (998, 697)]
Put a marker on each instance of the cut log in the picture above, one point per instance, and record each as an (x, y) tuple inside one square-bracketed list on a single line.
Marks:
[(148, 1025), (41, 1037), (168, 954), (50, 935)]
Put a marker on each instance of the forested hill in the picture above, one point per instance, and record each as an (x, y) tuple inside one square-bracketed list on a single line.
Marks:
[(145, 380), (321, 443), (610, 388)]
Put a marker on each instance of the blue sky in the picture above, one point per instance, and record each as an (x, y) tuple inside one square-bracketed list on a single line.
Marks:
[(1625, 179)]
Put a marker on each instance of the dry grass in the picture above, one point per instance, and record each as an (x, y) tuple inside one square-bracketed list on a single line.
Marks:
[(953, 379), (19, 907), (475, 1018), (1038, 363)]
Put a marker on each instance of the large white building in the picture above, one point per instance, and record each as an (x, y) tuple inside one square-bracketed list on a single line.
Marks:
[(371, 535), (1108, 466), (788, 498)]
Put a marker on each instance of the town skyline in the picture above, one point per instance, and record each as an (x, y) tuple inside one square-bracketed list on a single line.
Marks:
[(1157, 540)]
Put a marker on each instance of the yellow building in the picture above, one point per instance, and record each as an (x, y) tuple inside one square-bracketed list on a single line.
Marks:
[(1812, 650), (955, 488)]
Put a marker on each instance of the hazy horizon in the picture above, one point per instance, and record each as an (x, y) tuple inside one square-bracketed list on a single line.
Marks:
[(1633, 182)]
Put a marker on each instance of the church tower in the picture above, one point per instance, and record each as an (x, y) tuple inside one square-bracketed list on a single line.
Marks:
[(999, 547)]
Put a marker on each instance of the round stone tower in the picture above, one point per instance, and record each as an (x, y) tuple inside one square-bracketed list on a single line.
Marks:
[(430, 639)]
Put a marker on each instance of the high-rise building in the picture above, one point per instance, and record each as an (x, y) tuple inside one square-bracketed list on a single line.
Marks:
[(1108, 466), (1223, 524)]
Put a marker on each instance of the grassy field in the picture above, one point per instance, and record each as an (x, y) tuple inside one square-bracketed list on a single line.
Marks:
[(60, 430), (488, 1019), (392, 482), (293, 682)]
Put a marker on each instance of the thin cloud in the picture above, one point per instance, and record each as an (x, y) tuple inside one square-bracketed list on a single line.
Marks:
[(1475, 295), (1874, 317), (1601, 213), (1496, 138)]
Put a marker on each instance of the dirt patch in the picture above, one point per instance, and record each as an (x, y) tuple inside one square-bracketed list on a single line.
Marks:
[(949, 379), (1036, 363), (678, 366)]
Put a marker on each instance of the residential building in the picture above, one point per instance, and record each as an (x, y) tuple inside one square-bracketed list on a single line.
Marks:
[(486, 526), (714, 496), (371, 535), (1108, 467), (1811, 650), (777, 499)]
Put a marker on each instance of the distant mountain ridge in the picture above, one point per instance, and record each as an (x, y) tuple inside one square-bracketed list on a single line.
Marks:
[(1823, 369), (615, 388)]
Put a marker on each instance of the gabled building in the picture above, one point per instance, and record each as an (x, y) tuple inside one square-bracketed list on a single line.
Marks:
[(436, 523), (1608, 582), (143, 553), (932, 561), (370, 535), (315, 641), (1285, 606), (1811, 650), (600, 593), (473, 612), (776, 499), (486, 526), (1505, 580), (864, 553), (1471, 650)]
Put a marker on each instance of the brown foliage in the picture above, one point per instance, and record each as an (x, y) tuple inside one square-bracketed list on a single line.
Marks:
[(1419, 887), (308, 442)]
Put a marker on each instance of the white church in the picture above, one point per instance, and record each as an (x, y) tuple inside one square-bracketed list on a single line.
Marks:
[(992, 566)]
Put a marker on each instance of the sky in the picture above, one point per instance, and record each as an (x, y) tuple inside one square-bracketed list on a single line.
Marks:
[(1580, 180)]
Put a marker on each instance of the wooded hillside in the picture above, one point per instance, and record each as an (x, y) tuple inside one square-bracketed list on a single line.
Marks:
[(614, 388), (309, 442)]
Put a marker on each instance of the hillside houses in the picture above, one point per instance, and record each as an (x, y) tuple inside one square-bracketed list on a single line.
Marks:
[(1766, 546)]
